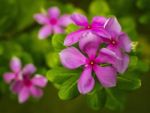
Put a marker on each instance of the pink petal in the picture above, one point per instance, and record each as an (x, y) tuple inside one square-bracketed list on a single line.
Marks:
[(65, 20), (125, 42), (86, 81), (107, 56), (39, 80), (16, 86), (79, 19), (41, 18), (45, 32), (58, 30), (73, 37), (36, 92), (15, 64), (53, 12), (122, 65), (24, 95), (101, 32), (106, 75), (29, 69), (89, 44), (98, 21), (72, 58), (8, 77), (112, 24)]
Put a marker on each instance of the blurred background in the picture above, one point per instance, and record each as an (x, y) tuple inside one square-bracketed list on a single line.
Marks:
[(18, 36)]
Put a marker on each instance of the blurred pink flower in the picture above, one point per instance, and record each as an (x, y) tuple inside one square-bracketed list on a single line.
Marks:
[(20, 80), (95, 27), (119, 43), (52, 22), (72, 58)]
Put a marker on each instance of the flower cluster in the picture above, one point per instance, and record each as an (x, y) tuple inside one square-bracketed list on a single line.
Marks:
[(21, 81), (103, 51), (52, 22)]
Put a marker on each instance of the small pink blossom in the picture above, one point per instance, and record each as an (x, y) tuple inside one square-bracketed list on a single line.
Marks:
[(52, 22), (21, 81), (72, 58), (96, 27)]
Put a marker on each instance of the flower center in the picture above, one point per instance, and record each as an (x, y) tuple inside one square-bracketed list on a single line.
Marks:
[(53, 21), (89, 27), (27, 82), (113, 42)]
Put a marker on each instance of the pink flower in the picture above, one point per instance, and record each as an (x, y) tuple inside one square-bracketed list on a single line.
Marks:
[(52, 22), (20, 80), (119, 43), (72, 58), (95, 27)]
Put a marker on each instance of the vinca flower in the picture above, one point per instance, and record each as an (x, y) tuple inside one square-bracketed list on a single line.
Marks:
[(119, 42), (52, 22), (95, 27), (21, 81), (92, 61)]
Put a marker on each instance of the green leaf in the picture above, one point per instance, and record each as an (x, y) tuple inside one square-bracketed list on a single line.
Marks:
[(128, 83), (97, 99), (115, 99), (71, 28), (59, 75), (52, 59), (99, 7), (58, 41), (69, 90)]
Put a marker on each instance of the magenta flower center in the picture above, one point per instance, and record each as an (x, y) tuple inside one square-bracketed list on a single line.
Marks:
[(89, 27), (113, 42), (53, 21), (90, 63), (27, 82)]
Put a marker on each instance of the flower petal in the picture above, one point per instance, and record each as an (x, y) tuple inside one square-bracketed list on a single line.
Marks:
[(125, 42), (79, 19), (36, 92), (53, 12), (29, 69), (16, 86), (73, 37), (112, 24), (86, 82), (106, 75), (45, 32), (72, 58), (39, 80), (98, 21), (122, 65), (8, 77), (41, 18), (101, 32), (89, 44), (107, 56), (15, 64), (65, 20), (58, 30), (24, 95)]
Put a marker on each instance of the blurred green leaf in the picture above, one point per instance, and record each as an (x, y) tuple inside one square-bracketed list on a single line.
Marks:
[(60, 74), (97, 99), (58, 41), (71, 28), (52, 59), (115, 99), (99, 7), (68, 89), (128, 84)]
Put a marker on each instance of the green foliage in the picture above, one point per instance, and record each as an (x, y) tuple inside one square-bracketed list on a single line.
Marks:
[(99, 7)]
